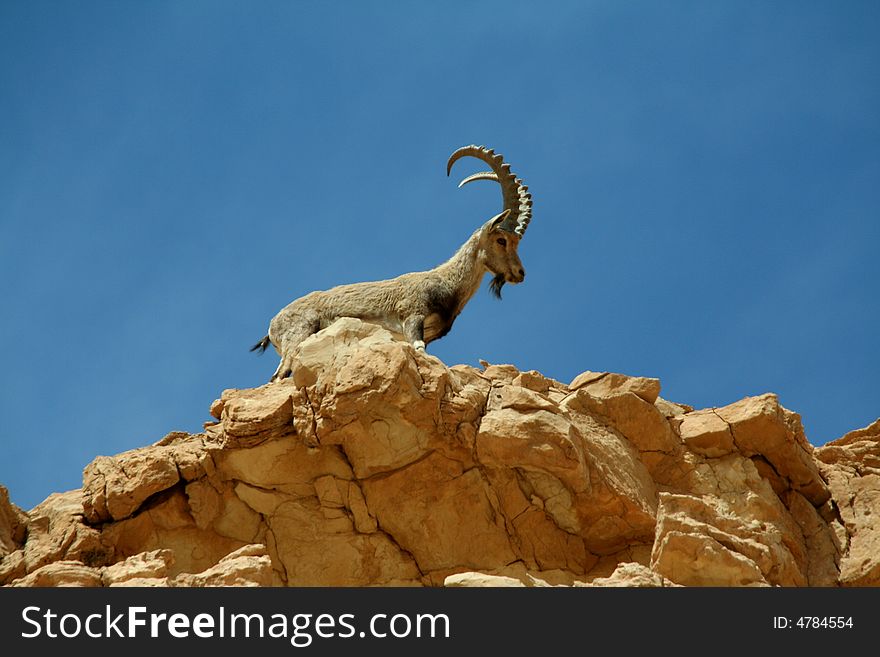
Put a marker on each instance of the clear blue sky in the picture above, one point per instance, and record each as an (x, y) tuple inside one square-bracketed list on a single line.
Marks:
[(706, 180)]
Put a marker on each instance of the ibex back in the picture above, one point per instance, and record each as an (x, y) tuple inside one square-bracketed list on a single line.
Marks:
[(420, 305)]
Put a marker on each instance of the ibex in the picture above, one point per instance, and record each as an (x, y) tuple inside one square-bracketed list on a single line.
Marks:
[(420, 305)]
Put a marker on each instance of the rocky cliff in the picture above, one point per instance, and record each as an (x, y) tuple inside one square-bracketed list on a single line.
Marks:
[(378, 465)]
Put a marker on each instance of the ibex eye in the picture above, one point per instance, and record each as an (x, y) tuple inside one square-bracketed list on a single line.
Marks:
[(502, 241)]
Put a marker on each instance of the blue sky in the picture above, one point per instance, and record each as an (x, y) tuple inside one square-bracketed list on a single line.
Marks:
[(706, 181)]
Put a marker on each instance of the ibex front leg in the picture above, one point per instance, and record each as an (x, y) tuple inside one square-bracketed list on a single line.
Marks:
[(414, 331)]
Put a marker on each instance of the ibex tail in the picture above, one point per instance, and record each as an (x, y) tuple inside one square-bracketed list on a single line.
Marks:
[(261, 345)]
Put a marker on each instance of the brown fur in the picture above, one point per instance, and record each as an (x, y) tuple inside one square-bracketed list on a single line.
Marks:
[(421, 305)]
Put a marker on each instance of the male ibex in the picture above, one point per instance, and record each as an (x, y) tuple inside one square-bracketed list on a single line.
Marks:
[(420, 305)]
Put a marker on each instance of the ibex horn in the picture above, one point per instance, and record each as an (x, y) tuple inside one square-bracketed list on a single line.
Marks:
[(515, 194)]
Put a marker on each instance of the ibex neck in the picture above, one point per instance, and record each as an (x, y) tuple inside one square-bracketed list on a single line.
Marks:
[(465, 269)]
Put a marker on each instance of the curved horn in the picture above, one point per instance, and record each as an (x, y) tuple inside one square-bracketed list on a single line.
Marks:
[(482, 175), (515, 194)]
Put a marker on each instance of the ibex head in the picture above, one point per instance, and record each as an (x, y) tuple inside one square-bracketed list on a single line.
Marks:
[(500, 235)]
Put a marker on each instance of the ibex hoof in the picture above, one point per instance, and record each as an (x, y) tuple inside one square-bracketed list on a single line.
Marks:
[(285, 369)]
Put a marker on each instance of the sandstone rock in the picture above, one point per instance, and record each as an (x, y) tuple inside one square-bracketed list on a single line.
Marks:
[(283, 465), (376, 465), (538, 441), (115, 487), (633, 575), (56, 532), (609, 384), (143, 569), (513, 575), (851, 466), (533, 380), (371, 395), (638, 420), (247, 566), (317, 551), (13, 525), (700, 560), (858, 450), (671, 409), (216, 409), (706, 433), (823, 550), (520, 399), (473, 579), (732, 531), (169, 524), (502, 374), (626, 574), (62, 573), (452, 518), (12, 567), (248, 416), (560, 479), (726, 499), (761, 426)]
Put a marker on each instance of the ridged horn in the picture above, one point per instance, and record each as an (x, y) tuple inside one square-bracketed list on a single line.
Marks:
[(482, 175), (515, 194)]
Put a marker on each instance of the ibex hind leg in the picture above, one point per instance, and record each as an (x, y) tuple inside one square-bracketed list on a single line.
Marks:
[(289, 342)]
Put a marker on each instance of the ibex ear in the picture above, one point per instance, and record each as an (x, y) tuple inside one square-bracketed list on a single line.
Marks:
[(498, 219)]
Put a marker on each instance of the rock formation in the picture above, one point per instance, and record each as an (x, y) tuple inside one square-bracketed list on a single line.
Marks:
[(378, 465)]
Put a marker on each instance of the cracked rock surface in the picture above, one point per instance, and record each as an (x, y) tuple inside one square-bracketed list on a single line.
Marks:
[(377, 465)]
